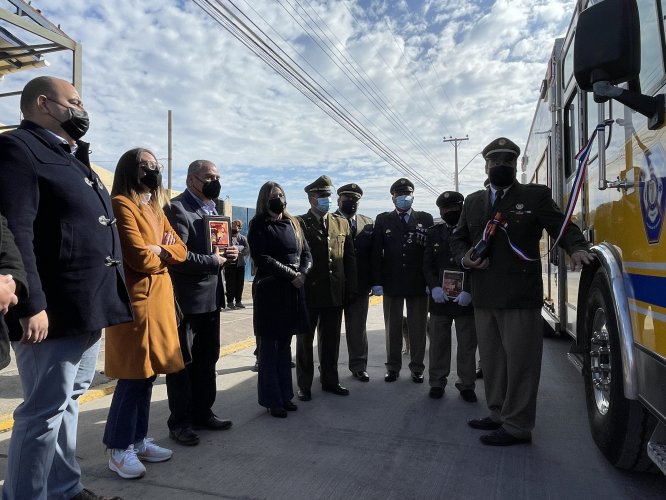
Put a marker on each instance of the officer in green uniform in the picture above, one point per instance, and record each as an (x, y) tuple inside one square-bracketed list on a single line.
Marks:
[(398, 243), (356, 310), (507, 289), (329, 284)]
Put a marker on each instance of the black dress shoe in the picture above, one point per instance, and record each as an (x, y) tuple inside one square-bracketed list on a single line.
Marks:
[(417, 377), (479, 372), (239, 305), (361, 375), (468, 395), (213, 424), (391, 376), (336, 389), (289, 406), (278, 412), (292, 364), (502, 438), (185, 436), (484, 424), (86, 494), (304, 395), (436, 392)]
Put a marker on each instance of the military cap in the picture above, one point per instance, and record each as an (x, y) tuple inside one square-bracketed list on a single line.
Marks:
[(449, 198), (322, 185), (402, 185), (501, 145), (351, 190)]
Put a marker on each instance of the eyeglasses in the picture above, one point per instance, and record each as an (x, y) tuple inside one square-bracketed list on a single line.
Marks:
[(151, 165)]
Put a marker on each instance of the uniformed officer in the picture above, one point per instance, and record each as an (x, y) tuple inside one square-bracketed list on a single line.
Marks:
[(330, 282), (397, 272), (449, 304), (508, 289), (356, 310)]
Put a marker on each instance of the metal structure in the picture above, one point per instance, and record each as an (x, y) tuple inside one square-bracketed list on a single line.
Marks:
[(19, 19)]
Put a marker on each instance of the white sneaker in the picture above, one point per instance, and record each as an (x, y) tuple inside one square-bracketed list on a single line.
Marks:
[(126, 464), (148, 451)]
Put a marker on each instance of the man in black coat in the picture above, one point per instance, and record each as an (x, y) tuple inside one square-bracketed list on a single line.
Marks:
[(61, 217), (449, 304), (356, 309), (198, 288), (507, 289), (13, 284), (398, 243)]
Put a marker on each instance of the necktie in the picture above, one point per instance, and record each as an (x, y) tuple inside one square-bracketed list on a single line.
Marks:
[(352, 225), (323, 224), (403, 216), (498, 196)]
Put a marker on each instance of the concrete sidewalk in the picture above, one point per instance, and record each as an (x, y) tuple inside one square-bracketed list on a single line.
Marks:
[(383, 441)]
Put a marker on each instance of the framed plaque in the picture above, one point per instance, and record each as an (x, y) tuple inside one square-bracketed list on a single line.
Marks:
[(218, 232), (452, 283)]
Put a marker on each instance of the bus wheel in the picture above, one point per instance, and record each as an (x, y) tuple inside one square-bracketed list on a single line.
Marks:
[(620, 427)]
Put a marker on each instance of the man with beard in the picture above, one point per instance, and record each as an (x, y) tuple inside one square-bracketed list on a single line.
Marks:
[(508, 288)]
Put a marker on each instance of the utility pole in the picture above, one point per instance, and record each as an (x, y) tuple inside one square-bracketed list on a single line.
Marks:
[(456, 141)]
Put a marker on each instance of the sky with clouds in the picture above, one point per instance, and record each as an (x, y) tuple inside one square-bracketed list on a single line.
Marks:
[(410, 71)]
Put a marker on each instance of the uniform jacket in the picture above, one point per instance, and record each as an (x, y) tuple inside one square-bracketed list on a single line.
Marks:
[(62, 220), (363, 251), (10, 263), (437, 258), (279, 308), (510, 282), (197, 282), (397, 253), (150, 344), (332, 279)]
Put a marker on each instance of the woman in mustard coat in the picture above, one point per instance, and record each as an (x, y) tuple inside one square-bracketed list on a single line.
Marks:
[(137, 352)]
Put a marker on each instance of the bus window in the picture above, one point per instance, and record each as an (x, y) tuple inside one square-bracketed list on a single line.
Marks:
[(652, 61), (571, 139), (567, 67)]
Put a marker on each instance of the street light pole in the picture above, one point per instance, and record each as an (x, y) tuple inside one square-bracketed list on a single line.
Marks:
[(456, 141)]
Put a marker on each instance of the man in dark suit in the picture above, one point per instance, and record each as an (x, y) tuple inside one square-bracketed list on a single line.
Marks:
[(198, 287), (234, 272), (13, 284), (329, 284), (449, 304), (356, 310), (61, 216), (397, 272), (507, 288)]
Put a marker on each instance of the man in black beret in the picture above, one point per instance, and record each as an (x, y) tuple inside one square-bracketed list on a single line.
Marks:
[(508, 289), (330, 283), (450, 301), (356, 310), (397, 272)]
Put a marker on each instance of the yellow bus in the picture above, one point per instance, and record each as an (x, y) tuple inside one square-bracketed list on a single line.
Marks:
[(608, 74)]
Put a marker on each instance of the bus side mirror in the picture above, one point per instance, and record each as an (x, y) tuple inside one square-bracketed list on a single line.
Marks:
[(607, 46)]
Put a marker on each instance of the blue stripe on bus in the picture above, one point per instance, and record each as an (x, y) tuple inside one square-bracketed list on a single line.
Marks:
[(648, 289)]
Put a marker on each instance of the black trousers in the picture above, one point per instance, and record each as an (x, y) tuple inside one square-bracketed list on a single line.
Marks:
[(327, 321), (192, 391), (274, 382), (234, 276)]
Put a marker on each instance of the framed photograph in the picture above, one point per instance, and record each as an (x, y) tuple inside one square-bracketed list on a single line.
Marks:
[(218, 232), (452, 283)]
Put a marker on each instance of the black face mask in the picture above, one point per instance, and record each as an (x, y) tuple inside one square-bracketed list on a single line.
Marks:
[(234, 231), (349, 207), (78, 123), (211, 189), (451, 218), (151, 179), (502, 175), (276, 205)]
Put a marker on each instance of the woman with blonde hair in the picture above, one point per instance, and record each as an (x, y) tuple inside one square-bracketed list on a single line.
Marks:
[(282, 259), (135, 353)]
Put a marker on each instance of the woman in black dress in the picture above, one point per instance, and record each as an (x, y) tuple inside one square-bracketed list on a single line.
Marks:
[(282, 259)]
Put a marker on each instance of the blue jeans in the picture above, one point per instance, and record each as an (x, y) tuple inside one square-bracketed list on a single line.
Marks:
[(127, 422), (42, 451)]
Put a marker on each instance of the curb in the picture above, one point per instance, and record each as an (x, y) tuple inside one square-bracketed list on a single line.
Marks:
[(7, 421)]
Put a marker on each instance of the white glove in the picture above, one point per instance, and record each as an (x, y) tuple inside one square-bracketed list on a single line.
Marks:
[(463, 299), (378, 290), (438, 295)]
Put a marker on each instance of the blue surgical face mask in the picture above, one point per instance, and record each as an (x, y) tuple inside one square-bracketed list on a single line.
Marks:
[(324, 204), (404, 202)]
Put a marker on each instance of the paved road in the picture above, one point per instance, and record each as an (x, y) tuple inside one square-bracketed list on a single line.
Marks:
[(384, 441)]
